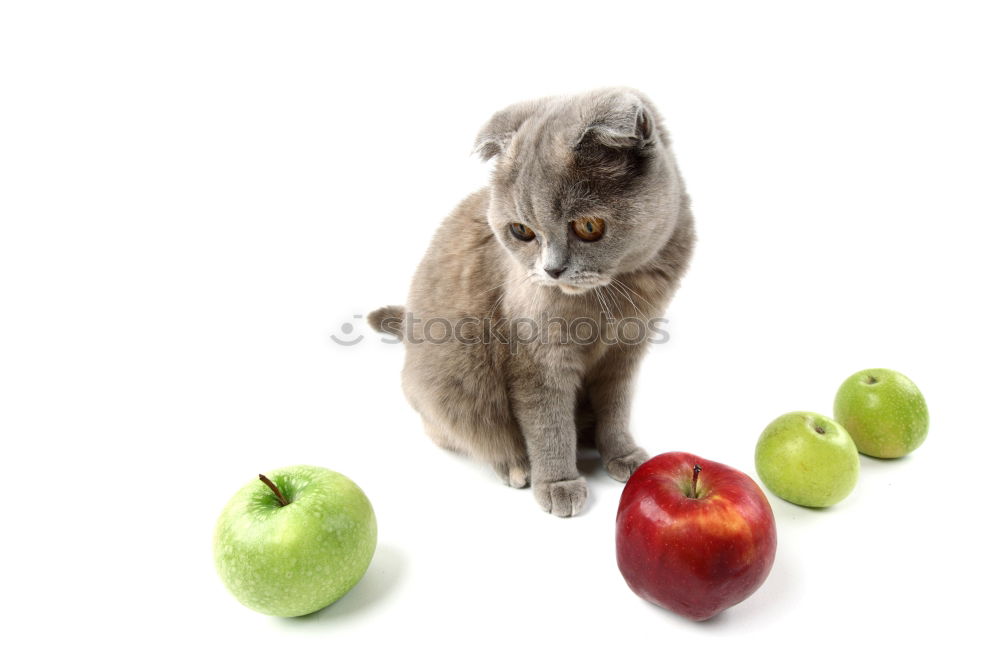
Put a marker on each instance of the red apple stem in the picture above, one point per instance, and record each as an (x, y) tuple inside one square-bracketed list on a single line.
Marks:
[(694, 481), (270, 484)]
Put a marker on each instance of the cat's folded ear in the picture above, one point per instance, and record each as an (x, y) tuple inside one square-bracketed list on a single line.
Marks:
[(618, 119), (496, 134)]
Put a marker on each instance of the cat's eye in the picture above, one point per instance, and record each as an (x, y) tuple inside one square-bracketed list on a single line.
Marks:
[(589, 229), (522, 232)]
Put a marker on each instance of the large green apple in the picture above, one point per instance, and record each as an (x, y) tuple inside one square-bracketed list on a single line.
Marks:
[(295, 541), (807, 459), (884, 412)]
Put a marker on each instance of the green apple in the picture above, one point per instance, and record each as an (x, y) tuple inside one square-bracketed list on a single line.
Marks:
[(884, 412), (294, 541), (807, 459)]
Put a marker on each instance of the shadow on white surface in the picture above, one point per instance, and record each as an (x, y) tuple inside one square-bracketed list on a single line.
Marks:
[(379, 582), (873, 463), (588, 461), (776, 597), (789, 514)]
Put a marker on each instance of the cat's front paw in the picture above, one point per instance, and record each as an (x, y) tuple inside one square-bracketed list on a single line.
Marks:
[(621, 468), (514, 474), (562, 498)]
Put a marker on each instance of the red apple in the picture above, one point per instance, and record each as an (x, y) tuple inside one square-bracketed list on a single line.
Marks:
[(693, 535)]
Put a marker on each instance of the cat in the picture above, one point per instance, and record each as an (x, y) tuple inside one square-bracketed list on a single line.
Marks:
[(586, 217)]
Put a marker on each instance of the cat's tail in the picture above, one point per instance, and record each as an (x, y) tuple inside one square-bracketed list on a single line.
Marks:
[(388, 320)]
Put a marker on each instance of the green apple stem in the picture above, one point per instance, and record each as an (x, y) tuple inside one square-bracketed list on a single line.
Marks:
[(694, 482), (270, 484)]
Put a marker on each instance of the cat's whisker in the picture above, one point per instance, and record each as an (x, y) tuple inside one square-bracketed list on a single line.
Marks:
[(486, 291), (624, 293), (495, 306), (503, 283), (614, 301), (604, 307), (634, 292), (604, 301)]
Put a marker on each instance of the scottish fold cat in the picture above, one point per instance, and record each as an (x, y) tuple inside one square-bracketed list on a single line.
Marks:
[(517, 350)]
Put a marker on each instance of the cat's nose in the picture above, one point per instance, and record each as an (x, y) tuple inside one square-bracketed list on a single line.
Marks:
[(555, 272)]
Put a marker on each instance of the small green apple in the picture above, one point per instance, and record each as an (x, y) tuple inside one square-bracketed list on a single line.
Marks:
[(294, 541), (807, 459), (884, 412)]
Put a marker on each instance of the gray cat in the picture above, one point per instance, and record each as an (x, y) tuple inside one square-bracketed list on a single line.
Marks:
[(586, 219)]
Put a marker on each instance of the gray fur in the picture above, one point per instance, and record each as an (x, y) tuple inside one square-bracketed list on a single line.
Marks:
[(388, 320), (521, 408)]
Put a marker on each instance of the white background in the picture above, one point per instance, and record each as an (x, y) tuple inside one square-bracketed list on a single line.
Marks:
[(195, 195)]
